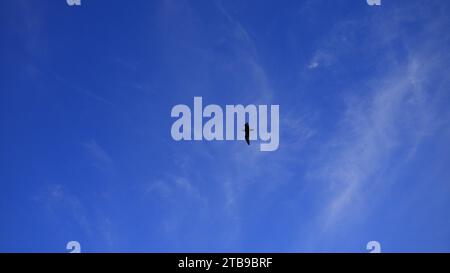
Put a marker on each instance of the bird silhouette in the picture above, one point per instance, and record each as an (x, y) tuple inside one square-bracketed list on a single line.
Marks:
[(247, 133)]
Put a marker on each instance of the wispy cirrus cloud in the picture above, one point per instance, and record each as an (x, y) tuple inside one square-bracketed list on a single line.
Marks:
[(219, 178), (57, 199), (372, 130), (100, 158), (321, 59), (383, 127)]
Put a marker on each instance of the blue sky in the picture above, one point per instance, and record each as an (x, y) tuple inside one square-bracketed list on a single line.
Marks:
[(86, 151)]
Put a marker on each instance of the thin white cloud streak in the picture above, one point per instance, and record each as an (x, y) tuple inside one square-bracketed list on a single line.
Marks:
[(245, 169), (321, 58), (377, 137), (100, 158), (62, 203), (173, 186), (372, 132), (246, 50), (237, 169), (401, 108), (313, 65), (57, 197), (379, 131)]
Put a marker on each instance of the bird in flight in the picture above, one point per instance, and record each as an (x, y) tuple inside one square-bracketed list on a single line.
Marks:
[(247, 133)]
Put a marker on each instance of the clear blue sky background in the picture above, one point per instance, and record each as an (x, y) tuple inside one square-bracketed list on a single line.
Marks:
[(86, 152)]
